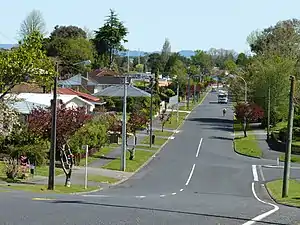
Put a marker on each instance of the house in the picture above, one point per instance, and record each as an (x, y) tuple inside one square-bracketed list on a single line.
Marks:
[(90, 98), (94, 81), (28, 101)]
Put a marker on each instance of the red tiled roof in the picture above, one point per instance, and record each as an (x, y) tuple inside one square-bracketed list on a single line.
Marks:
[(69, 91)]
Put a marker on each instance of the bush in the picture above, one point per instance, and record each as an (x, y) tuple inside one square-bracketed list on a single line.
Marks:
[(282, 136), (297, 121), (170, 92)]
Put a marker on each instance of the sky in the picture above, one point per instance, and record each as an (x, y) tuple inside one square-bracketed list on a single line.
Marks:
[(188, 24)]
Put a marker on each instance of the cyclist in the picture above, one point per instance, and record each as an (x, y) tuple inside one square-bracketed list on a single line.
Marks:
[(224, 111)]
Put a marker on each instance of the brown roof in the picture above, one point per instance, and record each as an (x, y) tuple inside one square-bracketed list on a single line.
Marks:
[(27, 88), (69, 91)]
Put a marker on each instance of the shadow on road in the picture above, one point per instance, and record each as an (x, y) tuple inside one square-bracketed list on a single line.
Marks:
[(221, 138), (222, 128), (212, 120), (159, 210)]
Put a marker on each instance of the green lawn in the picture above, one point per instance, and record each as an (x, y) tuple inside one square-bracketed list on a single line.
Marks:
[(131, 165), (158, 141), (275, 189), (102, 179), (103, 151), (248, 146), (172, 123), (294, 158), (279, 126), (44, 171), (163, 134), (146, 147), (193, 104), (43, 188)]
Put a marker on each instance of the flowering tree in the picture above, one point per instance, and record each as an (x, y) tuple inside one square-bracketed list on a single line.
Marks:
[(69, 120), (251, 112), (8, 119)]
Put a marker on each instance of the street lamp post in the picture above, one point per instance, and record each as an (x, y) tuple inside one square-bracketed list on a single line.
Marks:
[(52, 153), (124, 131), (151, 112), (189, 90)]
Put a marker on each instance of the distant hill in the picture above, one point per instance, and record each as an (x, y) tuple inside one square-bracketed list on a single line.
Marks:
[(185, 53), (7, 46)]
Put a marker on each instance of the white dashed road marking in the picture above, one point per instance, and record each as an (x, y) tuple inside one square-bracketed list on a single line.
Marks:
[(199, 146), (190, 176), (254, 171), (181, 190), (174, 193)]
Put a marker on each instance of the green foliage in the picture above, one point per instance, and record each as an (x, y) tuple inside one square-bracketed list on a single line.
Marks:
[(93, 134), (155, 63), (22, 142), (68, 32), (203, 60), (109, 38), (27, 62), (230, 65), (242, 60), (169, 92)]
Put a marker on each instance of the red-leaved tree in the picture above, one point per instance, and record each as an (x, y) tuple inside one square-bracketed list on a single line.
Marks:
[(250, 112), (69, 120), (137, 121)]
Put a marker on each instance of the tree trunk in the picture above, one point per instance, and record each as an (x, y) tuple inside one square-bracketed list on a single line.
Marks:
[(162, 128), (135, 140), (68, 178)]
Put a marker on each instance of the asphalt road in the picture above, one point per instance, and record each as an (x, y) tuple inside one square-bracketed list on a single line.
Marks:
[(196, 179)]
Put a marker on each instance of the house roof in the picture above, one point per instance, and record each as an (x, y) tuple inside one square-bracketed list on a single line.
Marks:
[(118, 91), (25, 107), (45, 99), (103, 72), (69, 91)]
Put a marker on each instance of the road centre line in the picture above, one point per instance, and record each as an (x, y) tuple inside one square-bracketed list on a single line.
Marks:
[(174, 193), (254, 171), (181, 190), (199, 146), (263, 215), (190, 176)]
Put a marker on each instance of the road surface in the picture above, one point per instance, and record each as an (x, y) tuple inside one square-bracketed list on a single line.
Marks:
[(196, 179)]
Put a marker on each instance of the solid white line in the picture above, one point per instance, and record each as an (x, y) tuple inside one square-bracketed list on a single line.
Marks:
[(264, 215), (174, 193), (162, 196), (142, 196), (254, 171), (199, 146), (190, 176), (98, 196), (181, 190)]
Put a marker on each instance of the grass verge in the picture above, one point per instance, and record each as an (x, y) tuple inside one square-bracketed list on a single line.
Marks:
[(294, 158), (163, 134), (248, 146), (102, 179), (132, 165), (158, 141), (102, 152), (146, 147), (43, 188), (275, 188), (172, 123)]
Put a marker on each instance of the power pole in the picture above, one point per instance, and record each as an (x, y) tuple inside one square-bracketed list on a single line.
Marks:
[(177, 117), (52, 152), (189, 91), (151, 111), (124, 132), (269, 112), (287, 161)]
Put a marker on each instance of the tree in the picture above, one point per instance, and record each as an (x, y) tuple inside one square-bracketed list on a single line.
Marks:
[(155, 63), (251, 112), (203, 60), (230, 65), (164, 117), (34, 22), (242, 60), (69, 120), (165, 52), (110, 37), (137, 121), (8, 119), (69, 32), (27, 63)]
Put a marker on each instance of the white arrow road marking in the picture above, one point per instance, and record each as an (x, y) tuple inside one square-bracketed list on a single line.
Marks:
[(254, 171), (264, 215)]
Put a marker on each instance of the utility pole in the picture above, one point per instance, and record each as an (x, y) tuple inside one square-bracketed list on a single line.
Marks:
[(128, 63), (52, 152), (151, 112), (287, 161), (269, 113), (124, 135), (194, 86), (189, 91), (177, 116)]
